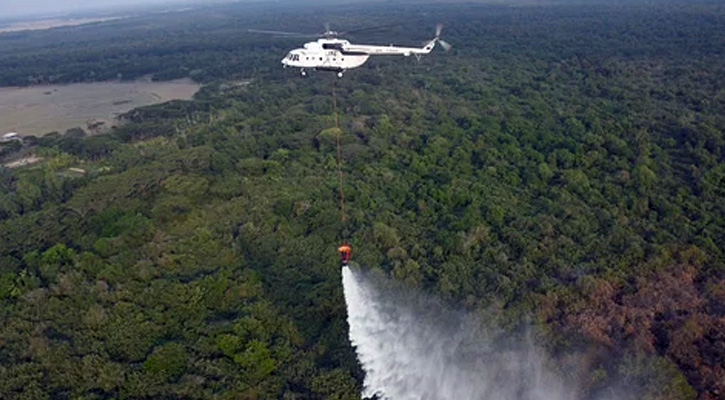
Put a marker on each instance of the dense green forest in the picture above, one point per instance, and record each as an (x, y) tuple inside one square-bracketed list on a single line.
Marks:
[(563, 167)]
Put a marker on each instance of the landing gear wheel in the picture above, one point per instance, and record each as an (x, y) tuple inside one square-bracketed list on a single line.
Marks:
[(303, 72), (339, 74)]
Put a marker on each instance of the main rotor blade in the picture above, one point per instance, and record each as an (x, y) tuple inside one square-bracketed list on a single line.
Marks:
[(369, 29), (439, 29), (281, 33)]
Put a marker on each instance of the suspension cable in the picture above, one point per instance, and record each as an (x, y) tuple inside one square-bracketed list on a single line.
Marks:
[(339, 153)]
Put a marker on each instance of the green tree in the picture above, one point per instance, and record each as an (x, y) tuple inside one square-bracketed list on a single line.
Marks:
[(167, 361)]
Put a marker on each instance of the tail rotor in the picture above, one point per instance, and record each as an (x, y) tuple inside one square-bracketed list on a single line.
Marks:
[(446, 46), (439, 29)]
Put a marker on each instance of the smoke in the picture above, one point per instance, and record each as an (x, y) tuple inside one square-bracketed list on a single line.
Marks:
[(413, 347)]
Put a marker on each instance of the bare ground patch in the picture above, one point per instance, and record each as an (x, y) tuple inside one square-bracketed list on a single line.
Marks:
[(31, 159)]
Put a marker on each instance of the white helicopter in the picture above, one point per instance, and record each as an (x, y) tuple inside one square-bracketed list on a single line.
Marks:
[(329, 53)]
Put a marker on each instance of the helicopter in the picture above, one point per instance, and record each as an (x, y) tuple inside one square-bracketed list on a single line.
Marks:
[(329, 53)]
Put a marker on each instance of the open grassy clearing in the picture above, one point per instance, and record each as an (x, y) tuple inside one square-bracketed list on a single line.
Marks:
[(41, 109)]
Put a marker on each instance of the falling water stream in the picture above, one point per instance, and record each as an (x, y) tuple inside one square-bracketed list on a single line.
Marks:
[(413, 347)]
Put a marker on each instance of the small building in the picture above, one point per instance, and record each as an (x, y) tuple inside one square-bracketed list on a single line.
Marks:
[(11, 136)]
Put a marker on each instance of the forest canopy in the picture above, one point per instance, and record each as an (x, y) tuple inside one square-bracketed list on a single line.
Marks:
[(564, 166)]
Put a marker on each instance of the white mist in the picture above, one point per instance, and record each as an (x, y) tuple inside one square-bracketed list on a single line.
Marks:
[(411, 348)]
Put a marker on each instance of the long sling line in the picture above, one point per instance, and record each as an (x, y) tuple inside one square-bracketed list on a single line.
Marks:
[(339, 153)]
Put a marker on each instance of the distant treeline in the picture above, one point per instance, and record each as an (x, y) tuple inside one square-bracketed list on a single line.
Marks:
[(212, 43), (563, 165)]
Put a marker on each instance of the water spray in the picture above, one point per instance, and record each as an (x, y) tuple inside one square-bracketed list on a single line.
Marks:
[(414, 347)]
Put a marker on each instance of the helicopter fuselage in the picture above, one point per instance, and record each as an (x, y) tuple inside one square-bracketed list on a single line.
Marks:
[(325, 54), (340, 55)]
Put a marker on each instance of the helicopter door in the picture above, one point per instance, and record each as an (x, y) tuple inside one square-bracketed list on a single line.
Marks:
[(332, 54)]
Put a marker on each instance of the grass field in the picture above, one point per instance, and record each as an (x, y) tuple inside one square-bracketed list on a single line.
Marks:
[(41, 109)]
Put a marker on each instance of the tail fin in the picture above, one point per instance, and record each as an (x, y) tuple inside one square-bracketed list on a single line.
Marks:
[(429, 46)]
